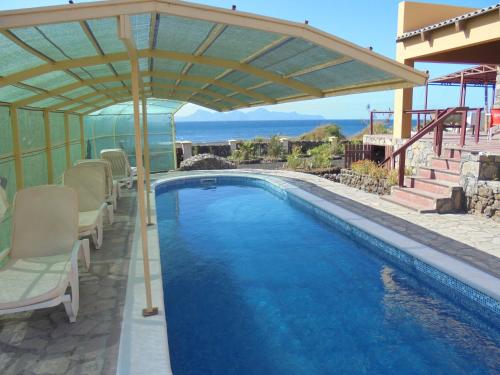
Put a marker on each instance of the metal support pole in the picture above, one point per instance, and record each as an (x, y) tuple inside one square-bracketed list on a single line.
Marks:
[(66, 141), (82, 138), (477, 129), (125, 35), (425, 101), (460, 102), (16, 148), (463, 128), (371, 123), (147, 162), (174, 147), (48, 147)]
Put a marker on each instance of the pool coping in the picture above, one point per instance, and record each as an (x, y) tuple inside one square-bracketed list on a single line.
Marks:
[(144, 341)]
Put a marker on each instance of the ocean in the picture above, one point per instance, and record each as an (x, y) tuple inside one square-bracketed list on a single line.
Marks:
[(220, 131)]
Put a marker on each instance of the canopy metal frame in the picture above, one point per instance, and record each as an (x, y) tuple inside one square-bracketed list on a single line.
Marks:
[(237, 60)]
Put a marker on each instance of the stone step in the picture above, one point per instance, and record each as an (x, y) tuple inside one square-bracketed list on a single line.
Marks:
[(452, 153), (439, 174), (446, 163), (430, 185), (410, 205), (419, 197)]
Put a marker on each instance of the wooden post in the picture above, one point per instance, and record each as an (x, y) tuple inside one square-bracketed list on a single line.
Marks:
[(48, 147), (371, 122), (16, 148), (66, 140), (82, 138), (401, 170), (477, 128), (174, 147), (147, 162)]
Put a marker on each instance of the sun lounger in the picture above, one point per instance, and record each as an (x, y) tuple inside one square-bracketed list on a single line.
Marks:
[(90, 184), (111, 185), (43, 259), (122, 171)]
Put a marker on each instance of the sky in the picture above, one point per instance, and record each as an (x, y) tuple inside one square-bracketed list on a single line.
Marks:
[(363, 22)]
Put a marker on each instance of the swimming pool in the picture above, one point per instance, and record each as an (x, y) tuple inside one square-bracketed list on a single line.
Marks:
[(254, 283)]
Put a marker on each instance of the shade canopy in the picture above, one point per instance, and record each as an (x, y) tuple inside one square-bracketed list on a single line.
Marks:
[(482, 75), (154, 107), (71, 58)]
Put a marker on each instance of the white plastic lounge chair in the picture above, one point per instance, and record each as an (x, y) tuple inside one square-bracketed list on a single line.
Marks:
[(43, 259), (111, 185), (122, 171), (90, 184)]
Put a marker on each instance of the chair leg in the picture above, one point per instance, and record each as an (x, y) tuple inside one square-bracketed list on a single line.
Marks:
[(97, 234), (110, 213), (73, 304), (85, 253)]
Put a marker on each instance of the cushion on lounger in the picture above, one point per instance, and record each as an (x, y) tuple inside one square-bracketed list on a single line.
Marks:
[(28, 281)]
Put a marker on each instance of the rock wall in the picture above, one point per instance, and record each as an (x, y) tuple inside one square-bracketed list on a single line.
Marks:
[(369, 184), (485, 200), (479, 175), (206, 162)]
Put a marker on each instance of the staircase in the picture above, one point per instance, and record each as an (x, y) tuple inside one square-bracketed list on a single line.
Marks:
[(433, 189)]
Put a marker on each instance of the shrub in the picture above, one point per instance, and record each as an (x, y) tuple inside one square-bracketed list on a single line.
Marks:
[(274, 148), (321, 156), (294, 160), (372, 169), (322, 133), (247, 149)]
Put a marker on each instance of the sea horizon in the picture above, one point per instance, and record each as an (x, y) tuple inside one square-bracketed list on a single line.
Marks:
[(222, 131)]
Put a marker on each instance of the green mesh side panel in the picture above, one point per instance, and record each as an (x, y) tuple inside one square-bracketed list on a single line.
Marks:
[(181, 34), (74, 127), (57, 133), (75, 152), (58, 163), (12, 93), (114, 127), (35, 169), (15, 59), (230, 47), (106, 33), (69, 38), (349, 73), (6, 133), (31, 131)]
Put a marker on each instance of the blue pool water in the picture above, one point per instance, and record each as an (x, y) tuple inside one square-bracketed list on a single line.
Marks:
[(254, 285)]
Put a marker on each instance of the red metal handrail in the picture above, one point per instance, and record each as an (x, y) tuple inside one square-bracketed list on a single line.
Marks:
[(425, 112), (436, 124)]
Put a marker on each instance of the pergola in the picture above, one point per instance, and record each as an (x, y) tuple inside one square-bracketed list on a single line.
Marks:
[(77, 59)]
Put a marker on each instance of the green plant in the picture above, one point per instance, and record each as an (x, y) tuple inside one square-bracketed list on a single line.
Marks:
[(236, 155), (392, 177), (322, 133), (247, 149), (274, 148), (294, 160), (370, 168), (321, 156)]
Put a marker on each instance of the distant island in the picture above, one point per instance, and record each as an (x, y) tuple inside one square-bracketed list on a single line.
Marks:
[(260, 114)]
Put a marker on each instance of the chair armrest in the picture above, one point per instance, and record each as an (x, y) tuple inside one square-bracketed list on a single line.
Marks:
[(75, 251)]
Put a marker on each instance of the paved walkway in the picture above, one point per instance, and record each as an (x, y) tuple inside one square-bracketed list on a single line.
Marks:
[(458, 232), (44, 342)]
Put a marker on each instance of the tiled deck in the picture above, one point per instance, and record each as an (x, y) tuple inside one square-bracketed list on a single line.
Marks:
[(44, 342)]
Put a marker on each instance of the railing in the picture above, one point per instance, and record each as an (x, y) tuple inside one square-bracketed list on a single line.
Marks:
[(354, 152), (435, 112), (438, 125)]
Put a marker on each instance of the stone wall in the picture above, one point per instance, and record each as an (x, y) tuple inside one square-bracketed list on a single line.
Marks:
[(485, 200), (363, 182), (479, 175)]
